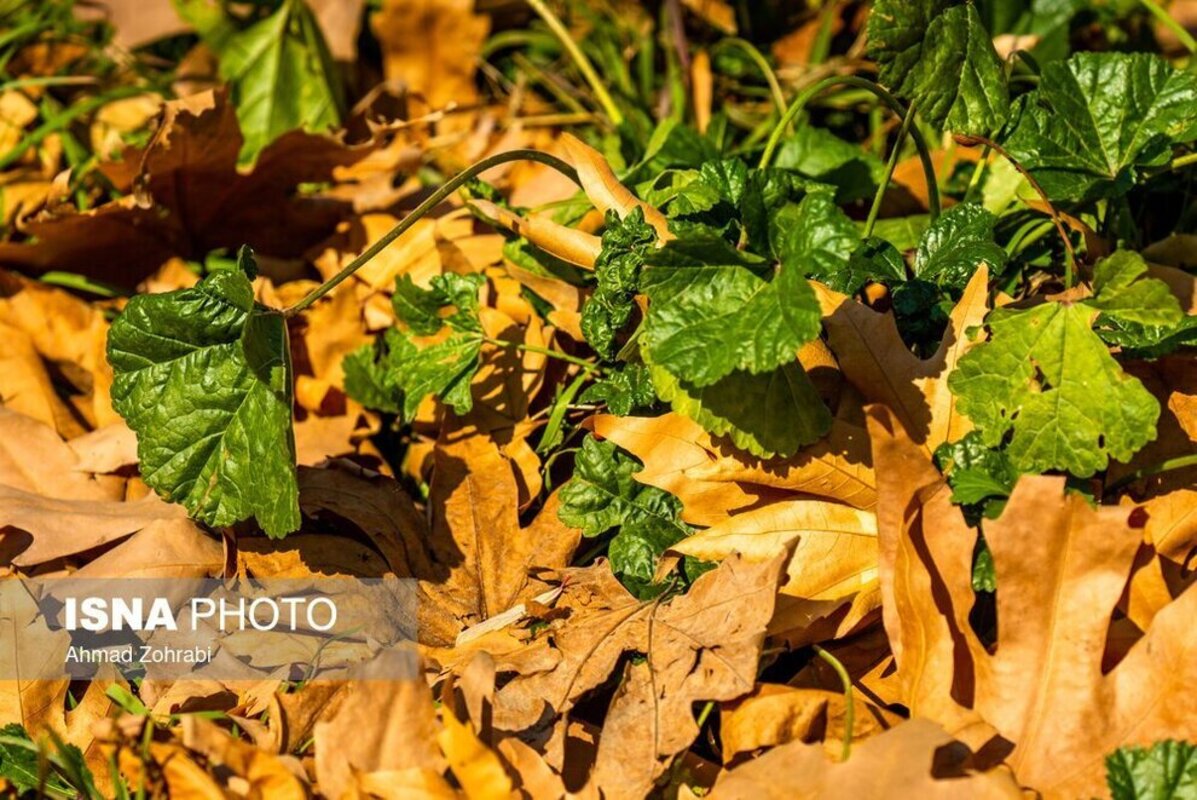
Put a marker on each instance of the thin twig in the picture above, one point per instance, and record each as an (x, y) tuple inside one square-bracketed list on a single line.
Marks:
[(435, 199)]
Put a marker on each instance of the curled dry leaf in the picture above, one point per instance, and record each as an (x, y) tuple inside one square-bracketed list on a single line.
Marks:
[(604, 189), (568, 244)]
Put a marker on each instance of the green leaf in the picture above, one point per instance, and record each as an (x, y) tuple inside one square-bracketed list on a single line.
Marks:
[(1098, 119), (774, 413), (937, 54), (711, 313), (820, 155), (874, 259), (956, 244), (984, 577), (623, 388), (395, 375), (603, 496), (281, 73), (1047, 378), (420, 308), (1126, 296), (1165, 771), (975, 471), (815, 239), (203, 376), (18, 764), (626, 242)]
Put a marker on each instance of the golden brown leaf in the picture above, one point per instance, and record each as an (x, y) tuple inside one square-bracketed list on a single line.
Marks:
[(377, 725), (604, 189), (775, 714), (1061, 568), (903, 762), (831, 574), (568, 244), (431, 47), (483, 556)]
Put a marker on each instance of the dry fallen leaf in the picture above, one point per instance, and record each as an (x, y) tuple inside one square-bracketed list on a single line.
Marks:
[(1061, 568), (831, 574), (900, 763)]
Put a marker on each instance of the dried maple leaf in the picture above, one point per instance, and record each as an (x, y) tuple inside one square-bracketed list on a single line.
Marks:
[(874, 358), (482, 555), (906, 761), (189, 199), (701, 646), (1061, 568)]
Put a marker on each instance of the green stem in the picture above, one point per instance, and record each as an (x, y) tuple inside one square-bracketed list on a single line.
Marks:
[(1180, 462), (435, 199), (885, 97), (890, 166), (544, 351), (1166, 20), (755, 55), (1070, 254), (580, 59), (850, 710), (62, 119)]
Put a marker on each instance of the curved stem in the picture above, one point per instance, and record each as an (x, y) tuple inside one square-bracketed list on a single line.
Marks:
[(544, 351), (435, 199), (758, 58), (583, 63), (1180, 462), (890, 166), (850, 705), (1070, 253), (885, 97)]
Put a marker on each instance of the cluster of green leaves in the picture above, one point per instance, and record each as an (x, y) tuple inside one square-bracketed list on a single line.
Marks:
[(395, 374), (604, 497), (59, 770), (277, 66), (1165, 771), (710, 323)]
